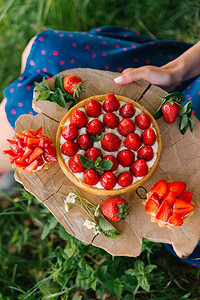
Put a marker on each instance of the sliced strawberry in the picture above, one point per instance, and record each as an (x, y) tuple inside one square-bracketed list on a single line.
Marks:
[(10, 153), (42, 143), (20, 135), (32, 142), (20, 162), (49, 149), (30, 133), (182, 208), (164, 211), (20, 143), (36, 152), (177, 187), (39, 131), (187, 196), (152, 205), (47, 139), (15, 148), (175, 220), (41, 160), (27, 152), (170, 197), (49, 157), (32, 167), (160, 188)]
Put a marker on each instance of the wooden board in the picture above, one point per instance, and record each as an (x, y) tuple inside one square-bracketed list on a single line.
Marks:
[(179, 162)]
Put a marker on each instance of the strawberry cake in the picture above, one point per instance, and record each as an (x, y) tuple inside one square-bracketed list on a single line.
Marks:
[(108, 144)]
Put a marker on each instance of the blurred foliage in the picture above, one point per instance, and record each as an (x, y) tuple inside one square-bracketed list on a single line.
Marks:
[(40, 260), (20, 20)]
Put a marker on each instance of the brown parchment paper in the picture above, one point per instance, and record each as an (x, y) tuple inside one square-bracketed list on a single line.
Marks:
[(180, 161)]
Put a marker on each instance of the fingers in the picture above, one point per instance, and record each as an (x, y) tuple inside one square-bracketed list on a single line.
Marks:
[(130, 75)]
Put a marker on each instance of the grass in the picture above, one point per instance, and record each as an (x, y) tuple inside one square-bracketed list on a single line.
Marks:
[(39, 260)]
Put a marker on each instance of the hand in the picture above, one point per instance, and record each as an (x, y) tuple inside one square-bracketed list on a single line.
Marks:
[(164, 76)]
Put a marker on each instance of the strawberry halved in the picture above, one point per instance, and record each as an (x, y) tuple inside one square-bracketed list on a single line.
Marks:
[(177, 187), (170, 197), (152, 205), (36, 152), (182, 207), (32, 167), (175, 220), (32, 142), (160, 188), (164, 212), (187, 196)]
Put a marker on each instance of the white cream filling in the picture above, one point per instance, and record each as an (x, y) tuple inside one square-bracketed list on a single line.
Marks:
[(120, 169)]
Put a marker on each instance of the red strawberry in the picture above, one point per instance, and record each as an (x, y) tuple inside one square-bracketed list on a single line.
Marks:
[(149, 137), (187, 196), (111, 142), (91, 177), (170, 197), (111, 103), (36, 152), (126, 126), (32, 167), (93, 108), (95, 127), (49, 158), (79, 118), (127, 110), (153, 204), (84, 142), (146, 153), (170, 112), (72, 84), (114, 161), (125, 179), (75, 164), (175, 220), (160, 188), (93, 153), (126, 157), (139, 168), (108, 180), (182, 208), (177, 187), (70, 132), (69, 148), (143, 121), (49, 149), (164, 211), (133, 141), (115, 209), (111, 120)]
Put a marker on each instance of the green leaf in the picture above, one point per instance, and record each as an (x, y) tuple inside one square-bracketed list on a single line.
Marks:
[(107, 229), (97, 138), (105, 165), (183, 124), (143, 282), (63, 234), (187, 109), (131, 272), (191, 124), (115, 287), (149, 268), (124, 211), (58, 97), (59, 83), (158, 114), (48, 227), (86, 162)]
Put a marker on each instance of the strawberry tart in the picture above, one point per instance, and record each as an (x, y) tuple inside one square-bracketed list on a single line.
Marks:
[(108, 144)]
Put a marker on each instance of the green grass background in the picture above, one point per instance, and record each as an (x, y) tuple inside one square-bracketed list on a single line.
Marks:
[(39, 260)]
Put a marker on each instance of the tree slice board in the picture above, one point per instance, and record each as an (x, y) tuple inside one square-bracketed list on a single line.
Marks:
[(179, 161)]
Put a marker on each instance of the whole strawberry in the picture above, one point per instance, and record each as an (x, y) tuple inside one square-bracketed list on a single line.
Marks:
[(115, 209), (73, 84), (93, 108), (170, 112), (111, 103)]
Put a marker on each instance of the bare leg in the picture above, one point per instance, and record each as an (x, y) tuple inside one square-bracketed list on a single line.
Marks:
[(6, 130)]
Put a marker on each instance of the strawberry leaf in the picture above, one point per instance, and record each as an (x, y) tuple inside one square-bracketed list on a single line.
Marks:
[(107, 229), (57, 97), (191, 124), (124, 211), (185, 120), (97, 138), (86, 162)]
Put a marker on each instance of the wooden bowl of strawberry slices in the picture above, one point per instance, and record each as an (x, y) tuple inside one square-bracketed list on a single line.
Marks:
[(108, 145)]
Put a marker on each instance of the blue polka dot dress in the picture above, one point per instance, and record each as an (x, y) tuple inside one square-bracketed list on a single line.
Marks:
[(105, 48)]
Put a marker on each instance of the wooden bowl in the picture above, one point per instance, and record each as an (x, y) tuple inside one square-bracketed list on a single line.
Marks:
[(80, 183)]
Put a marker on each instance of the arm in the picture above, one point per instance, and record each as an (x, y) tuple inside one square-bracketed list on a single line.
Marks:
[(168, 76)]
